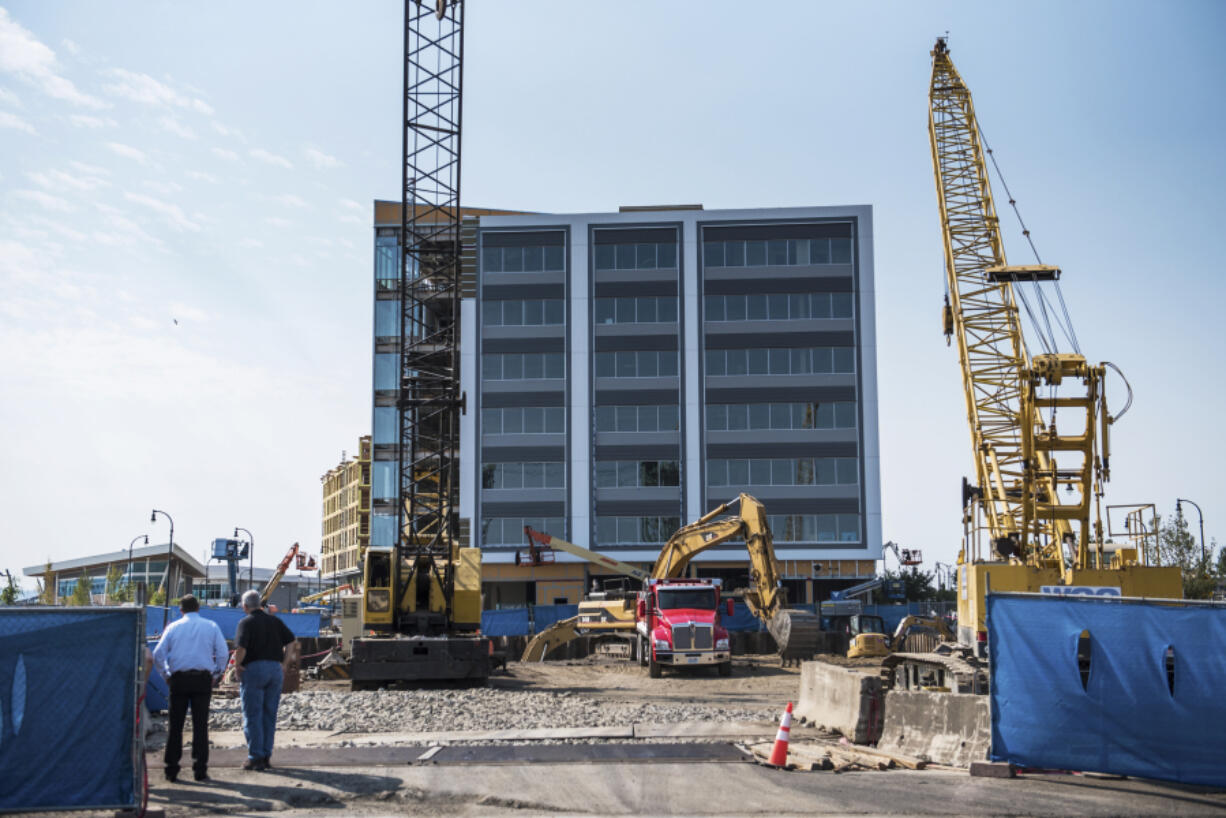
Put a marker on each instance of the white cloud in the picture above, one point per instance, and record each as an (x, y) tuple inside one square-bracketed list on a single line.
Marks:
[(23, 55), (165, 188), (351, 212), (289, 200), (91, 170), (87, 121), (277, 221), (270, 158), (127, 151), (45, 200), (144, 88), (71, 47), (229, 156), (201, 176), (176, 127), (9, 98), (16, 123), (172, 213), (58, 180), (226, 130), (180, 310), (124, 231), (320, 159)]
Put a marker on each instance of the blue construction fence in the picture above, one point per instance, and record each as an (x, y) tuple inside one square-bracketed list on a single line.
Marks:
[(1126, 687), (303, 624), (68, 708)]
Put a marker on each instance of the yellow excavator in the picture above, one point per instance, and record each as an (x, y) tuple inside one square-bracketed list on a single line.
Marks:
[(797, 633)]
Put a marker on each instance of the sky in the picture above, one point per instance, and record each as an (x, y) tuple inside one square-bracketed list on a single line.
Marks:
[(185, 222)]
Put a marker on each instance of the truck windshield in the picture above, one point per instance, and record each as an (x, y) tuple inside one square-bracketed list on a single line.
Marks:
[(701, 598)]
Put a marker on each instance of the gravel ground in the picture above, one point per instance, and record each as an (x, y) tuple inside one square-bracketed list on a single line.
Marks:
[(382, 711)]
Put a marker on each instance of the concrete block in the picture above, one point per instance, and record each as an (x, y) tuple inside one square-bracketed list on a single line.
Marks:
[(845, 700), (992, 769), (954, 729)]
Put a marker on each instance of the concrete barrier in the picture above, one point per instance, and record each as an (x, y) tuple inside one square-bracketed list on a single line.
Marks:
[(845, 700), (946, 728)]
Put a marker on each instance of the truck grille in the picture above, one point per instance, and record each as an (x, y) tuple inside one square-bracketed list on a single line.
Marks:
[(691, 637)]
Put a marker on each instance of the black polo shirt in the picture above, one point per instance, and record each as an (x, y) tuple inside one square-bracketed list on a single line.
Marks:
[(263, 636)]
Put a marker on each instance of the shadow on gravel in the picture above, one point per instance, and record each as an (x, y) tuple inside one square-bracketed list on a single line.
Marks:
[(268, 791)]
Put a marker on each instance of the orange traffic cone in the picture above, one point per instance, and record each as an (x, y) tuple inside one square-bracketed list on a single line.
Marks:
[(779, 753)]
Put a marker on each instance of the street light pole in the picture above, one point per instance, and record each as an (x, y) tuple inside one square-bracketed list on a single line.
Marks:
[(170, 553), (1179, 511), (134, 539), (251, 554)]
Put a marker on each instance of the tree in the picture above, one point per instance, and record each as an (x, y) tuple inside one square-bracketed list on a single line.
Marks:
[(46, 592), (81, 594), (1178, 547), (918, 584), (117, 590), (157, 597), (11, 590)]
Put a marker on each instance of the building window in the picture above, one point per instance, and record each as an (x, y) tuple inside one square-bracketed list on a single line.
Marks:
[(777, 306), (550, 259), (510, 530), (776, 361), (642, 256), (726, 417), (526, 420), (643, 363), (622, 474), (386, 366), (642, 310), (387, 319), (635, 530), (776, 252), (532, 313), (788, 528), (523, 476), (520, 366), (638, 418), (385, 425), (383, 529), (387, 262), (384, 481), (799, 471)]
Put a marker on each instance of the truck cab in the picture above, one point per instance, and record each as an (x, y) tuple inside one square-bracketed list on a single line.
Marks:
[(678, 624)]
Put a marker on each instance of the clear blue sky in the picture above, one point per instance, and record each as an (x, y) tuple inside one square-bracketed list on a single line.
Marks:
[(213, 164)]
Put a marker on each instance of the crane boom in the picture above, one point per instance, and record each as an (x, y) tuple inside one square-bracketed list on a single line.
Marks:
[(549, 541)]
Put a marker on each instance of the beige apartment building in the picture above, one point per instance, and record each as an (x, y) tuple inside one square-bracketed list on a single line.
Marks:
[(346, 515)]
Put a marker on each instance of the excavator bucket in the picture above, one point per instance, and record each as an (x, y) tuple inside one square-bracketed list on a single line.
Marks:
[(798, 634), (557, 634)]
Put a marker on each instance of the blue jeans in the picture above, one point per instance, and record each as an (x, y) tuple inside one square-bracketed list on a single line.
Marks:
[(260, 691)]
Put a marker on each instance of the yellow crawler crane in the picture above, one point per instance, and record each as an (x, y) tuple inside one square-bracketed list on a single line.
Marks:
[(1037, 486)]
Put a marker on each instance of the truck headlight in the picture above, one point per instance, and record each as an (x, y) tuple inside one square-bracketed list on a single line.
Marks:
[(378, 601), (721, 644), (661, 644)]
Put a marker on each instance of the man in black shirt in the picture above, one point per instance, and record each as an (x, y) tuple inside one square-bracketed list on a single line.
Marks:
[(260, 648)]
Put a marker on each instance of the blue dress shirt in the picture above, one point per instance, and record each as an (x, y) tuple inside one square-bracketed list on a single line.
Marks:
[(191, 643)]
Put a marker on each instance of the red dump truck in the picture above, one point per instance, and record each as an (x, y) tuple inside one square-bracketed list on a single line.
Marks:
[(678, 625)]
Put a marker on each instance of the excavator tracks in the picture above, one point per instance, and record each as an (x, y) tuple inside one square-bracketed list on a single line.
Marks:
[(951, 670)]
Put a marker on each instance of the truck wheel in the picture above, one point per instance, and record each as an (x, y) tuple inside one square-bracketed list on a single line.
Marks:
[(653, 669), (725, 668), (643, 651)]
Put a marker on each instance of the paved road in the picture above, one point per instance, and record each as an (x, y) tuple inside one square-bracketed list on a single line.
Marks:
[(663, 788)]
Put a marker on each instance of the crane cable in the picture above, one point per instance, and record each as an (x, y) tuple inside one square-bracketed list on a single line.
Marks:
[(1047, 339)]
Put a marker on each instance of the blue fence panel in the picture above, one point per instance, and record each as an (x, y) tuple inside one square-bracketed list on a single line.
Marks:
[(506, 622), (741, 619), (545, 615), (68, 708), (1126, 720), (304, 624)]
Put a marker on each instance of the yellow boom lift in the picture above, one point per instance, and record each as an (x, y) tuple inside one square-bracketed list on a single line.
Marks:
[(1036, 499)]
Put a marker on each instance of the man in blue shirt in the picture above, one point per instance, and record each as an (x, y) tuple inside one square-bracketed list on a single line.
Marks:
[(191, 656)]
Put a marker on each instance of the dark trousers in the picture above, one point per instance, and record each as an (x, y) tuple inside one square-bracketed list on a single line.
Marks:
[(194, 688)]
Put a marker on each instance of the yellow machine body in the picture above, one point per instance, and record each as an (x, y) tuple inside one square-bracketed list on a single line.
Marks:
[(868, 644)]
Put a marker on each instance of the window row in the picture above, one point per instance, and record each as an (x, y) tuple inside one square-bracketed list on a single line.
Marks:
[(777, 306), (519, 366), (776, 252), (635, 530), (795, 361), (523, 259), (526, 420), (623, 474), (510, 530), (638, 418), (523, 476), (647, 309), (814, 527), (536, 312), (643, 363), (723, 417), (647, 256), (387, 319), (798, 471)]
